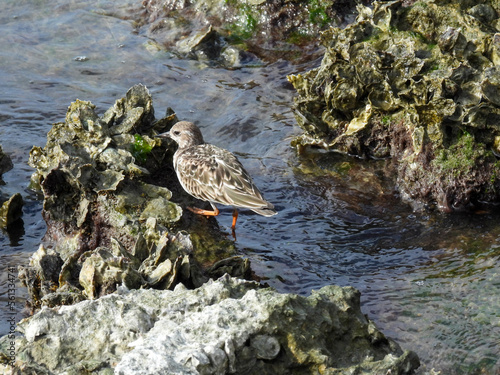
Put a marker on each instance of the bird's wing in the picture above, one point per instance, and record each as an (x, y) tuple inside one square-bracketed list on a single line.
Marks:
[(213, 174)]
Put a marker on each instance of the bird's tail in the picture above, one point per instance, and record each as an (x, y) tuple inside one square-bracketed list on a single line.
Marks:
[(265, 211)]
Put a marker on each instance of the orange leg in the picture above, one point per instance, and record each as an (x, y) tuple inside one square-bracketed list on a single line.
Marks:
[(235, 217), (199, 211)]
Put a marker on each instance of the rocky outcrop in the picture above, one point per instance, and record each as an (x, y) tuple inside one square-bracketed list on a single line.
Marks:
[(118, 287), (228, 326), (418, 83), (107, 185)]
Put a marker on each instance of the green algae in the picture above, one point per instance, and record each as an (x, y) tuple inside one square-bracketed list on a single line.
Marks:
[(246, 24), (460, 157), (141, 148), (244, 32)]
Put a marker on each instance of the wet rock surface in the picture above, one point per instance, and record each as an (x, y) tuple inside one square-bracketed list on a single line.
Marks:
[(418, 83), (235, 33), (107, 204), (11, 209), (225, 326), (5, 163)]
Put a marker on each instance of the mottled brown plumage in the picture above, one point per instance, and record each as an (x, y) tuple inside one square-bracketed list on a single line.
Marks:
[(213, 174)]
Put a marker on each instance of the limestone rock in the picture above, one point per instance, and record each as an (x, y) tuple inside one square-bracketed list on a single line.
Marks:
[(225, 326)]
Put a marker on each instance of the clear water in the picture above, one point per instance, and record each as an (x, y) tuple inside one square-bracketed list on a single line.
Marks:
[(429, 281)]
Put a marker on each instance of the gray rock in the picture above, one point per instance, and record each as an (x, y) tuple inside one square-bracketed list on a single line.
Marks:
[(225, 326)]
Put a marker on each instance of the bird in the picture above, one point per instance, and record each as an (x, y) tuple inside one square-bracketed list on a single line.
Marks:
[(213, 174)]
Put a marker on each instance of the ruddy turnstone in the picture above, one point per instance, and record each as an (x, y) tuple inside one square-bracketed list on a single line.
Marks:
[(212, 174)]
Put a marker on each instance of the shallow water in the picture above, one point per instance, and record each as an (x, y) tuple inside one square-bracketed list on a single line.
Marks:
[(429, 281)]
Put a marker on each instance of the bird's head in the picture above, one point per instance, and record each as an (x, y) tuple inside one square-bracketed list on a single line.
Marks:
[(185, 133)]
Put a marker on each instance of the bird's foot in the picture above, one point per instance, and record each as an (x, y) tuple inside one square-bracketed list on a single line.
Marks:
[(199, 211)]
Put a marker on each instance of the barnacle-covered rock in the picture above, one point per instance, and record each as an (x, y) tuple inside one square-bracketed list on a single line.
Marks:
[(103, 269), (416, 82), (107, 188)]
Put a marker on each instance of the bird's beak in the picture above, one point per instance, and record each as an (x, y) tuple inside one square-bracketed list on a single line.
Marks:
[(163, 135)]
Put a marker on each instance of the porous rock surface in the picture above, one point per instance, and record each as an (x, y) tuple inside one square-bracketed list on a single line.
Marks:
[(228, 326), (417, 82)]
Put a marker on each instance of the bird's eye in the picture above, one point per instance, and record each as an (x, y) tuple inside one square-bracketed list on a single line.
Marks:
[(176, 132)]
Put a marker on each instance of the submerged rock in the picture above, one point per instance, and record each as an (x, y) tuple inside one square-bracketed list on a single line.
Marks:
[(235, 33), (108, 209), (418, 83), (5, 163), (11, 210), (228, 326)]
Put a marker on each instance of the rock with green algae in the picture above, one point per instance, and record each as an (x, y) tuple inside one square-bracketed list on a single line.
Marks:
[(233, 33), (417, 83), (107, 185), (228, 326)]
